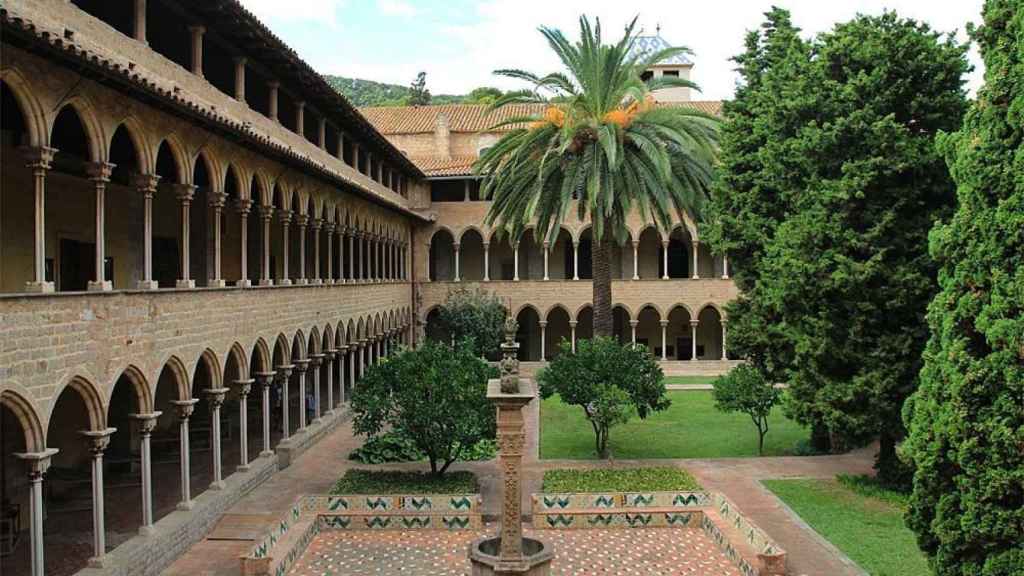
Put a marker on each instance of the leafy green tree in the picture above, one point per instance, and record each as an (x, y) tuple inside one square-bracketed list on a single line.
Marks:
[(435, 395), (835, 237), (745, 389), (608, 381), (473, 318), (966, 421), (419, 95), (603, 143), (484, 95)]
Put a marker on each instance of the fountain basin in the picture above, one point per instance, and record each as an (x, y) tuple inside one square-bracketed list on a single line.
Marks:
[(535, 561)]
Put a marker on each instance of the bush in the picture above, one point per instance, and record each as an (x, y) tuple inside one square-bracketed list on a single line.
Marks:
[(434, 395), (608, 381), (473, 318), (397, 447), (656, 479), (356, 481), (745, 389)]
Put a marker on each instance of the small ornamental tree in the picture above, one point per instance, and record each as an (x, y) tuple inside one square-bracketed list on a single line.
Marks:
[(745, 389), (435, 395), (608, 381), (474, 318), (966, 420), (419, 95)]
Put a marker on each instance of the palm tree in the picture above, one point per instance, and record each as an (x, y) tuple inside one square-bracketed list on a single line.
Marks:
[(600, 146)]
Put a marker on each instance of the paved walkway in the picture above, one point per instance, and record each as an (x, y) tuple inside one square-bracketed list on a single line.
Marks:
[(738, 478)]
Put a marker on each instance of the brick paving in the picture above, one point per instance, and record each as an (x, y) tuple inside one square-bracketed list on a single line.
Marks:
[(643, 552)]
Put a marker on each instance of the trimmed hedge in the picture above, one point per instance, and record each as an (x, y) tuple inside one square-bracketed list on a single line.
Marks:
[(358, 481), (658, 479)]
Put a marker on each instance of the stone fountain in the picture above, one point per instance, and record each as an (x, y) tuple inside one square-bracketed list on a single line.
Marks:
[(510, 552)]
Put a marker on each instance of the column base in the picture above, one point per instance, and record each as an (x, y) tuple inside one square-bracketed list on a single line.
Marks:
[(694, 277), (636, 277), (185, 284), (104, 286), (329, 282), (266, 453), (316, 281), (147, 285), (216, 283), (147, 530), (217, 485), (266, 282), (244, 467), (185, 506), (725, 276), (285, 282), (39, 287), (302, 282), (96, 562), (246, 283), (301, 430), (664, 277)]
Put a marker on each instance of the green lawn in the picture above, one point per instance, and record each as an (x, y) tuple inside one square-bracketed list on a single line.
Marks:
[(356, 481), (689, 379), (654, 479), (690, 428), (868, 529)]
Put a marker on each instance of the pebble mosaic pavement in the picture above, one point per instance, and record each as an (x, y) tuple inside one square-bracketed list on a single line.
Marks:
[(640, 552)]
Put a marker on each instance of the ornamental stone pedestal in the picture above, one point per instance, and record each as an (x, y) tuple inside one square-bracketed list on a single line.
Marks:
[(510, 552)]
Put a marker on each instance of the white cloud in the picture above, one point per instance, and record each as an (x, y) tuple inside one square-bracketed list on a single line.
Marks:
[(396, 8), (322, 11)]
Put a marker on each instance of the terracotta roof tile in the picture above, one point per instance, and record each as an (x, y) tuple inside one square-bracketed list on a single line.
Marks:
[(435, 166)]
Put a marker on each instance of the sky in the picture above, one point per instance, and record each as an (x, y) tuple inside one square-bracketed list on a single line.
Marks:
[(459, 43)]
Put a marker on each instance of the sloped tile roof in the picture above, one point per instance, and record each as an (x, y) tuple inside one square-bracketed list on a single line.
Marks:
[(441, 166)]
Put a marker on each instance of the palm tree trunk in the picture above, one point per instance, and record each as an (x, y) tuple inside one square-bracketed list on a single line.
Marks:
[(601, 263)]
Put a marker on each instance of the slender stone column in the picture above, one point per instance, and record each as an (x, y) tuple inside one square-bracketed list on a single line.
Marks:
[(244, 386), (39, 159), (286, 218), (664, 340), (342, 356), (243, 232), (725, 266), (329, 356), (664, 260), (572, 334), (284, 374), (147, 423), (362, 256), (543, 339), (315, 361), (184, 408), (99, 173), (38, 463), (184, 193), (314, 227), (636, 261), (98, 440), (724, 355), (300, 118), (515, 261), (352, 348), (217, 205), (266, 215), (302, 220), (329, 273), (197, 49), (351, 255), (457, 262), (147, 185), (547, 251), (362, 357), (321, 133), (139, 31), (487, 261), (215, 396), (272, 87), (575, 260), (693, 339), (696, 275), (632, 326), (265, 380), (300, 368), (240, 78)]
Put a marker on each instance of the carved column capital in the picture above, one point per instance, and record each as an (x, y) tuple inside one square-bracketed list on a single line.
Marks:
[(244, 386), (99, 171), (98, 440), (38, 462), (243, 205), (265, 379), (185, 407), (38, 157), (215, 396), (183, 192), (146, 183)]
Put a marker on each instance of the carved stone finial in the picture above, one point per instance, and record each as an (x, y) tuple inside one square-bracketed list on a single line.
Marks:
[(509, 364)]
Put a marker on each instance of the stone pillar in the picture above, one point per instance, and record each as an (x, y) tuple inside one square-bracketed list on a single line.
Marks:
[(724, 355), (329, 356), (265, 380), (696, 275), (636, 261), (693, 339), (362, 256), (487, 261), (457, 262), (38, 160), (184, 408), (244, 386), (314, 366), (98, 441), (515, 261), (286, 218), (38, 463), (547, 249), (341, 145), (725, 266), (147, 423), (465, 190), (197, 49), (184, 194), (664, 340), (314, 227), (362, 354), (300, 118), (342, 356), (664, 260), (243, 216), (99, 173), (352, 348), (217, 204), (575, 260), (329, 233), (341, 254), (139, 30), (351, 255), (240, 78), (301, 220), (273, 86), (215, 396), (300, 369), (543, 339), (632, 327), (284, 374), (321, 133), (147, 184), (266, 215)]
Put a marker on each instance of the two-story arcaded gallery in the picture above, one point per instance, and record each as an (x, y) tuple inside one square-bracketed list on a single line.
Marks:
[(202, 248)]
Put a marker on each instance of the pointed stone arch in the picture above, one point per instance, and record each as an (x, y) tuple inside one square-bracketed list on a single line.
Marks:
[(90, 397), (18, 404), (86, 113), (35, 119)]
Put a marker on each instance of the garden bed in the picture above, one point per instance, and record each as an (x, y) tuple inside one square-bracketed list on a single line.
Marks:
[(654, 479), (359, 481)]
